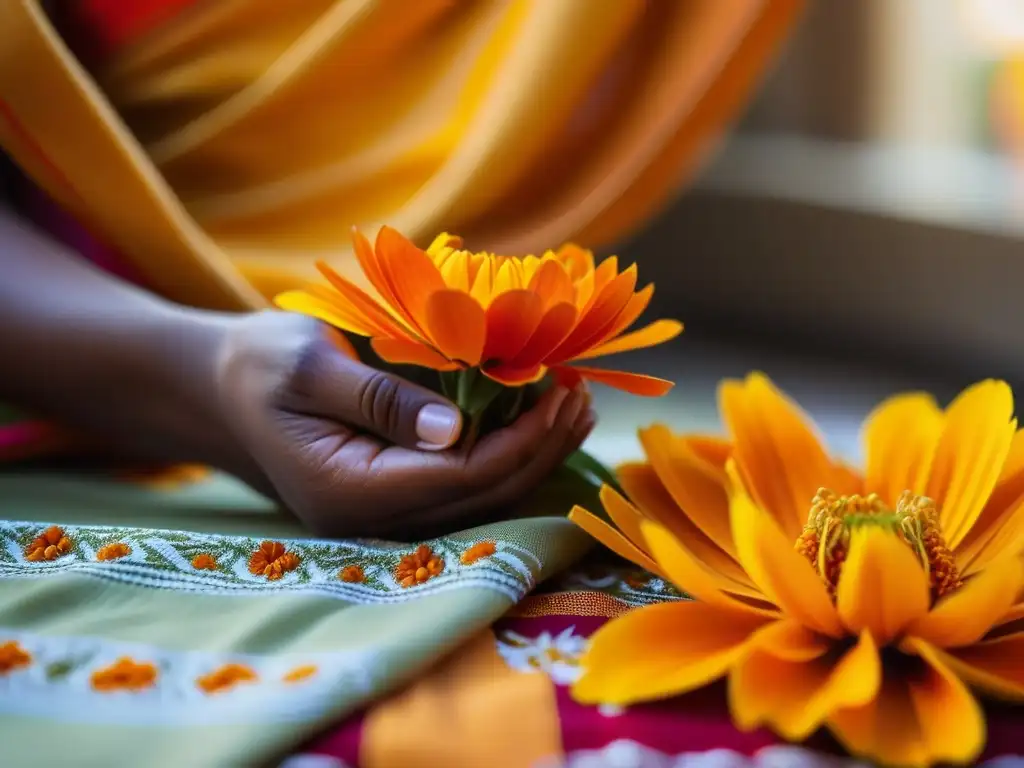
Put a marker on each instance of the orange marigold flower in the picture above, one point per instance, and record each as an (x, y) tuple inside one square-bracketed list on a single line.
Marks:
[(204, 562), (49, 545), (353, 574), (125, 674), (478, 551), (272, 560), (300, 674), (886, 597), (12, 657), (418, 567), (226, 677), (513, 317), (113, 551)]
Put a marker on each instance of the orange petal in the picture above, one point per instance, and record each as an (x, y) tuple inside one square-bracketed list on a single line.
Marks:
[(786, 578), (965, 616), (714, 450), (411, 274), (900, 438), (922, 715), (656, 333), (371, 267), (626, 517), (402, 352), (599, 318), (634, 308), (457, 325), (970, 456), (556, 324), (796, 697), (342, 317), (662, 650), (579, 262), (778, 454), (791, 641), (515, 377), (363, 303), (612, 539), (993, 666), (512, 319), (634, 383), (551, 283), (697, 488)]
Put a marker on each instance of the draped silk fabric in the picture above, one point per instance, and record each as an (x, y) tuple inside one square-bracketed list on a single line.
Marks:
[(221, 146)]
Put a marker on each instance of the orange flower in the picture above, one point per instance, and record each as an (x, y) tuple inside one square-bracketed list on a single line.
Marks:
[(478, 551), (353, 574), (113, 551), (513, 317), (125, 674), (12, 657), (299, 674), (49, 545), (272, 560), (868, 608), (226, 677), (422, 565), (204, 562)]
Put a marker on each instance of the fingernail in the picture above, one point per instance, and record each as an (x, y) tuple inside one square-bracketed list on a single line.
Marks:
[(437, 426), (557, 397)]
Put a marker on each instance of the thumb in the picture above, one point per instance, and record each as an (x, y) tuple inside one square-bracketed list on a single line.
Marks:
[(327, 384)]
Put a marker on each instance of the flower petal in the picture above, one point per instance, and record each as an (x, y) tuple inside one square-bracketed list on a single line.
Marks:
[(512, 319), (626, 517), (457, 324), (634, 383), (599, 318), (970, 456), (556, 324), (410, 273), (786, 578), (779, 456), (339, 316), (882, 587), (796, 697), (612, 539), (370, 266), (922, 715), (791, 641), (900, 438), (656, 333), (993, 666), (515, 377), (551, 283), (662, 650), (965, 616), (402, 352), (364, 304)]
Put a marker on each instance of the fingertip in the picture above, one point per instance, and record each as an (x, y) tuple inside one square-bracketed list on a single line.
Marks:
[(438, 426)]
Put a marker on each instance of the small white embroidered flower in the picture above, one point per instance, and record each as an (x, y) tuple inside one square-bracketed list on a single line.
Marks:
[(557, 656)]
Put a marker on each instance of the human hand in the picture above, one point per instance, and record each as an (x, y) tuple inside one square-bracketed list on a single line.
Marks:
[(358, 452)]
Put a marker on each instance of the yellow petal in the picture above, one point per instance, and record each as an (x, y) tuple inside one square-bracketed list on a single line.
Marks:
[(455, 271), (626, 517), (786, 578), (612, 539), (791, 641), (970, 456), (304, 303), (660, 651), (882, 587), (993, 666), (900, 438), (402, 352), (965, 616), (457, 324), (656, 333), (796, 697), (922, 715), (778, 454)]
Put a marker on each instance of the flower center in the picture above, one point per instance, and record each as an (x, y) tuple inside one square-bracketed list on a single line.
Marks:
[(825, 540)]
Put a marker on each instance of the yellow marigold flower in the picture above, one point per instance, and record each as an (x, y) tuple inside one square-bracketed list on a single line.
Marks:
[(226, 677), (113, 551), (125, 674), (49, 545), (867, 602), (12, 657), (204, 562), (422, 565), (300, 674), (513, 317), (352, 574), (478, 551), (272, 560)]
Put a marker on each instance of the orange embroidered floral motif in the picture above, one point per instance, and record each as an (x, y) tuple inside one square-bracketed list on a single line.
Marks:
[(418, 567), (113, 551), (227, 677), (272, 560), (12, 657), (125, 674), (299, 674), (353, 574), (204, 562), (478, 551), (49, 545)]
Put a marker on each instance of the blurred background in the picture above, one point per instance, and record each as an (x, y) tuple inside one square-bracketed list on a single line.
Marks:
[(861, 231)]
